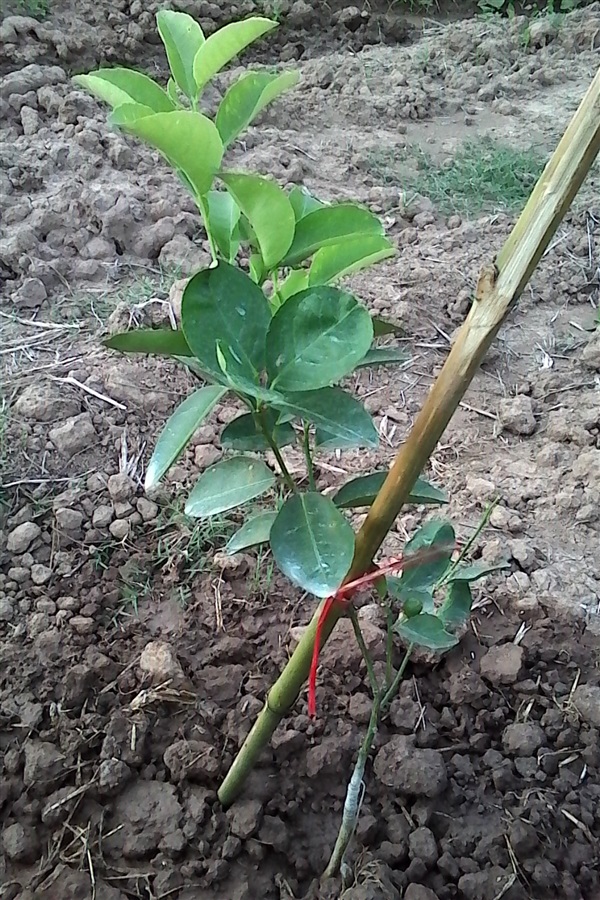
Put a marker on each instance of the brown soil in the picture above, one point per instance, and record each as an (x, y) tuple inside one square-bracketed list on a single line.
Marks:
[(132, 666)]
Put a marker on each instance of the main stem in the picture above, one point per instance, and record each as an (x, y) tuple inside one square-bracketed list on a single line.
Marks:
[(355, 790), (498, 289)]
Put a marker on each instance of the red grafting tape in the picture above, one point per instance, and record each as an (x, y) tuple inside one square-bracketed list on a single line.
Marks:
[(344, 596)]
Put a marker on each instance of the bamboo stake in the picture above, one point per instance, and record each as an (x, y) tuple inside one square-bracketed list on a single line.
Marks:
[(498, 289)]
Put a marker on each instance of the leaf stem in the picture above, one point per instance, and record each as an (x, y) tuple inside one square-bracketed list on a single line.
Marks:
[(260, 420), (308, 456), (201, 201)]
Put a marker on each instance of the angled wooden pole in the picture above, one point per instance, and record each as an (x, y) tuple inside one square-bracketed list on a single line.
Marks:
[(500, 285)]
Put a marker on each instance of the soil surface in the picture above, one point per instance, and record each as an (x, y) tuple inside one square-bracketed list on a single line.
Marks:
[(133, 660)]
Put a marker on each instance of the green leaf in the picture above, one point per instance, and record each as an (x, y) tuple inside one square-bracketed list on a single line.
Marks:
[(118, 86), (381, 327), (424, 597), (255, 531), (427, 631), (172, 91), (434, 535), (303, 202), (340, 260), (344, 421), (156, 341), (312, 542), (474, 572), (363, 490), (223, 217), (456, 608), (224, 45), (296, 281), (330, 225), (316, 338), (243, 434), (126, 115), (228, 484), (382, 356), (223, 304), (179, 430), (248, 96), (188, 140), (257, 268), (182, 37), (267, 209)]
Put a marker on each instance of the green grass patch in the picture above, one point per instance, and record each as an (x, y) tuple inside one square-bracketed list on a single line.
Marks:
[(482, 176), (37, 9)]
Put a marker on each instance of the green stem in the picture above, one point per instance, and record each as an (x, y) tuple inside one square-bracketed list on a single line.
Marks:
[(389, 643), (470, 543), (352, 615), (201, 201), (355, 790), (308, 457), (354, 796), (260, 420), (393, 688)]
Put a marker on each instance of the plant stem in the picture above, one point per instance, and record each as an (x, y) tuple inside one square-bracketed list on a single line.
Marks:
[(201, 201), (354, 796), (352, 615), (308, 456), (467, 548), (389, 643), (260, 420), (355, 790)]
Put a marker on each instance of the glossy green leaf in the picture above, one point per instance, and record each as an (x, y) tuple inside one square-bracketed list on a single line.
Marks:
[(363, 490), (188, 140), (246, 98), (330, 225), (456, 608), (224, 45), (303, 202), (312, 542), (426, 631), (338, 414), (118, 86), (254, 532), (182, 37), (126, 115), (156, 341), (295, 282), (344, 259), (268, 211), (179, 430), (382, 356), (475, 571), (224, 304), (316, 338), (228, 484), (381, 327), (243, 434), (432, 536), (223, 217)]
